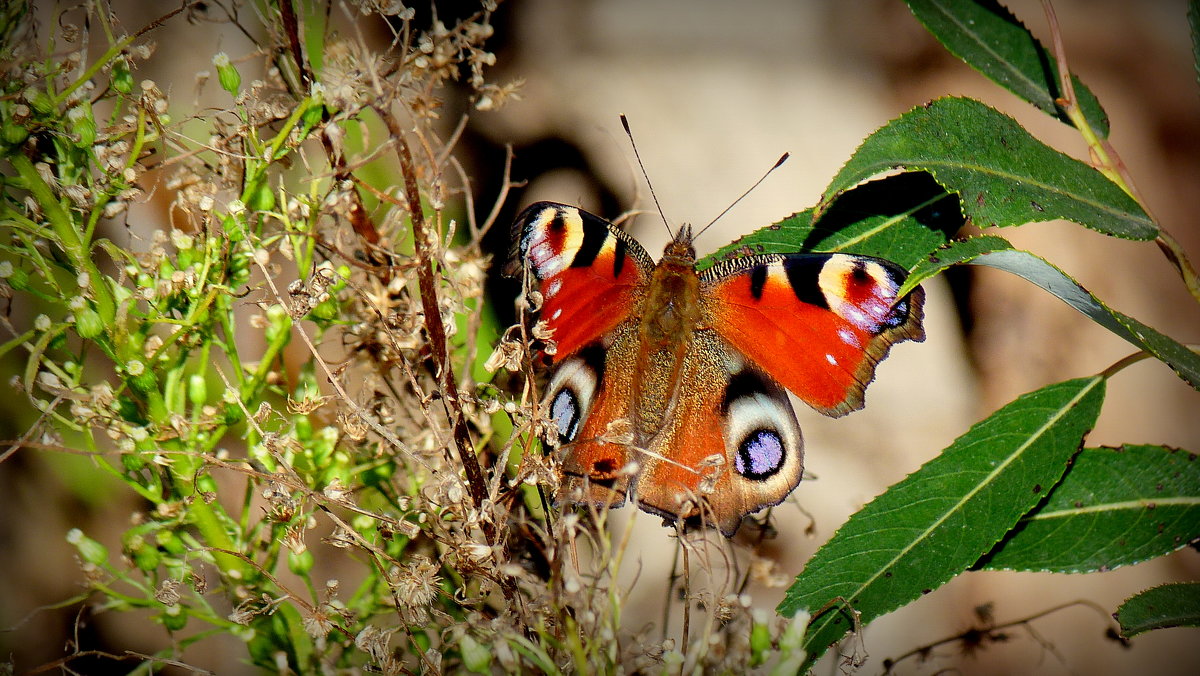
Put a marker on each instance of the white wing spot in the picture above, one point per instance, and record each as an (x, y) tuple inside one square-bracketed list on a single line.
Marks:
[(829, 358), (556, 315)]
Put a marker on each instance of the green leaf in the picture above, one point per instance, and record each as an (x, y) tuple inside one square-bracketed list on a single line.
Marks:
[(1168, 605), (939, 520), (954, 253), (1003, 175), (900, 218), (1183, 361), (986, 35), (1114, 507)]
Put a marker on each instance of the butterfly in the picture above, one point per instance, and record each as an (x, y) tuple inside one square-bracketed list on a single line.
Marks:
[(669, 384)]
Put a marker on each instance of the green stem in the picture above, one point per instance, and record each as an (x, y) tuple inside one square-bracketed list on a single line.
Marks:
[(68, 237)]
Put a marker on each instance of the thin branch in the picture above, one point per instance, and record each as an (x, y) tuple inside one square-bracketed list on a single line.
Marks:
[(427, 281)]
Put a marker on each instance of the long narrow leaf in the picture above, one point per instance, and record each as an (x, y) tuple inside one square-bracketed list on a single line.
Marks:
[(938, 521), (991, 40), (1114, 507), (1168, 605), (1003, 175), (901, 218), (1183, 361), (954, 253)]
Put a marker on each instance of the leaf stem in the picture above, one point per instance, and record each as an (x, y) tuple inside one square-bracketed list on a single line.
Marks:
[(1108, 162)]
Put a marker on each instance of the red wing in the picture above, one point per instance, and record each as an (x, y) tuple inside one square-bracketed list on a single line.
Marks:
[(590, 274), (817, 323)]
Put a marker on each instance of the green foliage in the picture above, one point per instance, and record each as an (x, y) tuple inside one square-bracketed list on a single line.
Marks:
[(1014, 492), (1162, 607), (940, 519), (1115, 507), (901, 218), (991, 40), (1003, 175)]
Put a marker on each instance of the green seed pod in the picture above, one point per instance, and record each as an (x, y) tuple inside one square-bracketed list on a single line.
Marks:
[(325, 312), (760, 643), (169, 541), (41, 102), (311, 117), (145, 556), (141, 377), (19, 280), (261, 198), (279, 323), (122, 79), (476, 657), (85, 125), (197, 390), (88, 323), (227, 73), (173, 618), (91, 551), (12, 133), (301, 563), (303, 428), (132, 462)]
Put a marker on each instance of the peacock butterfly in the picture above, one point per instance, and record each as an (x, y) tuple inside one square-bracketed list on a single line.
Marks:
[(669, 384)]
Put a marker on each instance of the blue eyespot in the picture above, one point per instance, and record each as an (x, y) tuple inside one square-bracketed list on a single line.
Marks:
[(564, 410), (759, 455)]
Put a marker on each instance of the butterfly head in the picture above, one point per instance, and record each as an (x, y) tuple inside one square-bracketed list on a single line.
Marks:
[(680, 250)]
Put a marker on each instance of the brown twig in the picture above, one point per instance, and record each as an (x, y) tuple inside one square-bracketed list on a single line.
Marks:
[(427, 281), (362, 224), (976, 636)]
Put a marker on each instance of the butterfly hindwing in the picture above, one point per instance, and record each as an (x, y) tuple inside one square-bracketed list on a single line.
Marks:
[(589, 403), (731, 447), (588, 272), (817, 323)]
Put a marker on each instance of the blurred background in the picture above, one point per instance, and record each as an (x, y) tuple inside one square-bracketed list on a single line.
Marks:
[(715, 91)]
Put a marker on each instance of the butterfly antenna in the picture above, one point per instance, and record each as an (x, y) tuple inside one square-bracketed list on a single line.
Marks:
[(625, 123), (764, 177)]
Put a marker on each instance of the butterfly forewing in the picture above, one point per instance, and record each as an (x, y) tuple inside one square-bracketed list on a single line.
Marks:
[(818, 323), (588, 273)]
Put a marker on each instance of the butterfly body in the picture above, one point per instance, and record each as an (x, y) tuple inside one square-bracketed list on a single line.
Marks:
[(669, 384)]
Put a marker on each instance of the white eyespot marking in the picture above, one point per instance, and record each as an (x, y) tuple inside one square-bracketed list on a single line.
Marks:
[(829, 358), (569, 398), (849, 337), (546, 258), (760, 455), (564, 410), (556, 314), (761, 429), (553, 288), (546, 261), (867, 282)]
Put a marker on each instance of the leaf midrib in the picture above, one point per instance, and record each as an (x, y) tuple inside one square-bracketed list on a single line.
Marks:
[(1115, 507)]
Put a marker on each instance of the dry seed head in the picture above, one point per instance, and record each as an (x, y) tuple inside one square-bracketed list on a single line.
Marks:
[(168, 593)]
